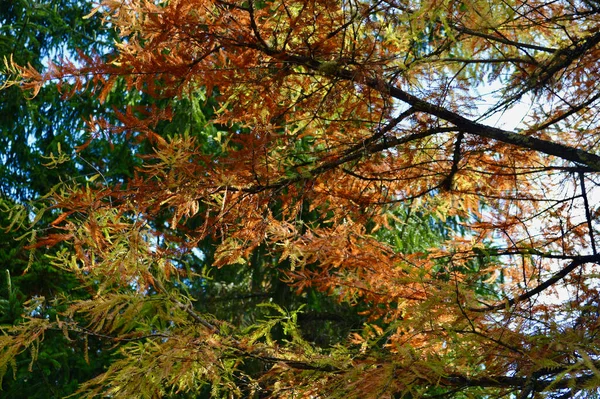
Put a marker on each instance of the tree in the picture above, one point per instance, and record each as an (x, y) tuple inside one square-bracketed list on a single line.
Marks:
[(31, 129), (356, 113)]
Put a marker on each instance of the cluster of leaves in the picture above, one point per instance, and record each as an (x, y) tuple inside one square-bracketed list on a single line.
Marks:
[(346, 170), (36, 289)]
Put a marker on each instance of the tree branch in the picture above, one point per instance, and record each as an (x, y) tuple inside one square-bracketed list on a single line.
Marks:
[(562, 151), (516, 382), (447, 183), (588, 214), (504, 40), (576, 155), (541, 287), (352, 154)]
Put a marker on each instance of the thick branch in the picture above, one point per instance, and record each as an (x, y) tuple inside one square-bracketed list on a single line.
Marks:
[(547, 147), (562, 151), (541, 287)]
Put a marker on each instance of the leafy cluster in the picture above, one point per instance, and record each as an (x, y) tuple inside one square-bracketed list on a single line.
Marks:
[(312, 199)]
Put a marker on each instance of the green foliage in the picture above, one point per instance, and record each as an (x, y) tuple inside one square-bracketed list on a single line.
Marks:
[(34, 134)]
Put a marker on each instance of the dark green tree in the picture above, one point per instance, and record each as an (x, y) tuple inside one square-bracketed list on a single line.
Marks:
[(36, 137)]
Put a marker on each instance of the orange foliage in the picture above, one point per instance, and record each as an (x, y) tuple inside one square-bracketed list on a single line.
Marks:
[(349, 109)]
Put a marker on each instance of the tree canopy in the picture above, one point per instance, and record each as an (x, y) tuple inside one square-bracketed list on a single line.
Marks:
[(326, 204)]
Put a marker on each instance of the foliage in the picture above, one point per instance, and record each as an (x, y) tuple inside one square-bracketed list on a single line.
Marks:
[(37, 137), (344, 128)]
